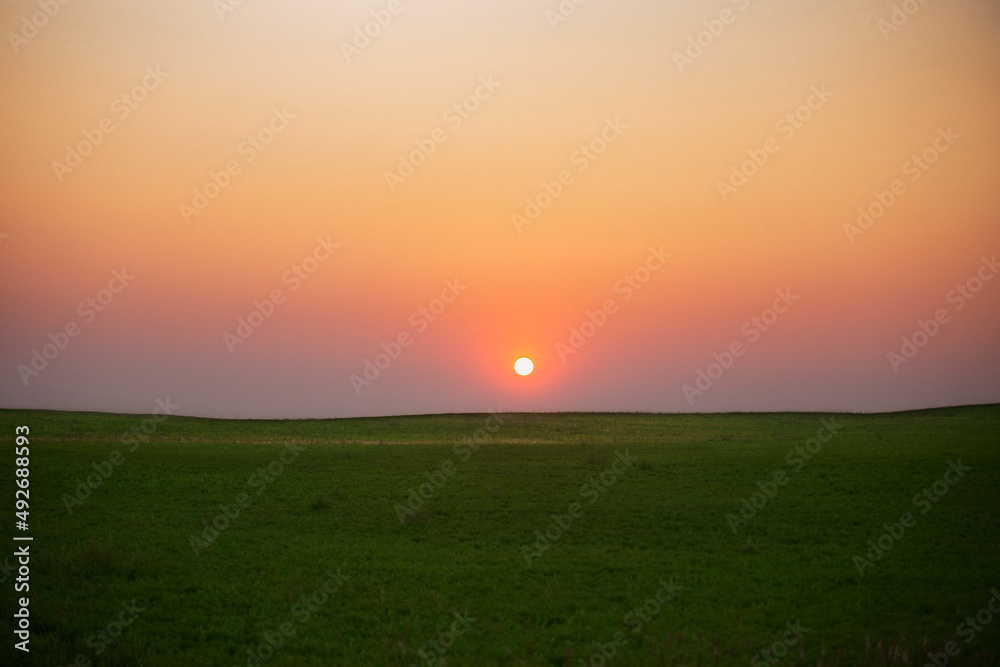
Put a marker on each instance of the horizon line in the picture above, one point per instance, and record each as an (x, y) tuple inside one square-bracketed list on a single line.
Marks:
[(541, 412)]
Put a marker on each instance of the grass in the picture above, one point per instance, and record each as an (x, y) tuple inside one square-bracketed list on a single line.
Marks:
[(219, 556)]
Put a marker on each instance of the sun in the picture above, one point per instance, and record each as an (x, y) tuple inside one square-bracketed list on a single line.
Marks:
[(523, 366)]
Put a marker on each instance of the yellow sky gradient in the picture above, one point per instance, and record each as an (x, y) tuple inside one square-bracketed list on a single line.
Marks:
[(198, 84)]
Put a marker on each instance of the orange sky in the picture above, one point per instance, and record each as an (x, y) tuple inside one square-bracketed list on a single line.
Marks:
[(223, 148)]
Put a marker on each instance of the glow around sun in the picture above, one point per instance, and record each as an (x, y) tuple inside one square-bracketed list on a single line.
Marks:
[(523, 366)]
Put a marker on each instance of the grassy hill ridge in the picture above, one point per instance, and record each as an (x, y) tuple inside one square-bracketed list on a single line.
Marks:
[(682, 549)]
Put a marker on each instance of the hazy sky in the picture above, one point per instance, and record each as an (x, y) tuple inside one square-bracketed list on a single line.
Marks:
[(472, 181)]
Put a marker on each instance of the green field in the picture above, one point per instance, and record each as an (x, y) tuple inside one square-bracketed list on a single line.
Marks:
[(205, 540)]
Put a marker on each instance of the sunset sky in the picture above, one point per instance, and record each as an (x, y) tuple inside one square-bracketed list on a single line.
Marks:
[(472, 181)]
